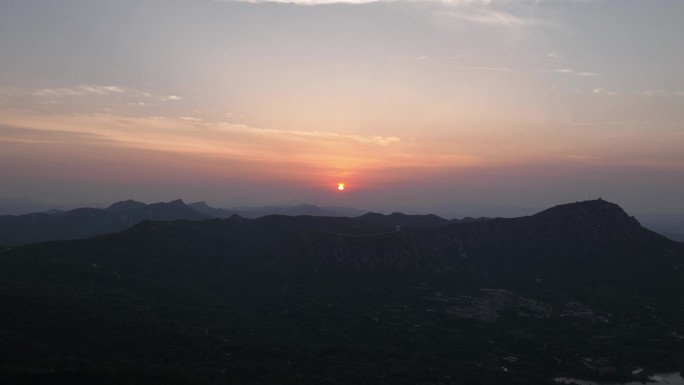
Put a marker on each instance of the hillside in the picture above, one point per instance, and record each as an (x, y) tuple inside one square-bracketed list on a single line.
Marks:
[(82, 223), (403, 220), (337, 300), (88, 222)]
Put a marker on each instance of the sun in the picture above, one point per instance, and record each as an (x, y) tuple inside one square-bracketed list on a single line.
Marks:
[(340, 186)]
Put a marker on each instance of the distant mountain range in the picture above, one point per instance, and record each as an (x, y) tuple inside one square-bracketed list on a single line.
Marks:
[(260, 211), (87, 222), (574, 290)]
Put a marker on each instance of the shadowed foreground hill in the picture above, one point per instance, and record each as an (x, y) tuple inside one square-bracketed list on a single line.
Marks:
[(342, 301)]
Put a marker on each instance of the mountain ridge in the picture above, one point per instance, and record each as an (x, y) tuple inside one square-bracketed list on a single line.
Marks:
[(293, 299), (36, 227)]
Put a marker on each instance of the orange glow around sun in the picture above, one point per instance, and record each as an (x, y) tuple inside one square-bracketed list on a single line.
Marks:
[(340, 186)]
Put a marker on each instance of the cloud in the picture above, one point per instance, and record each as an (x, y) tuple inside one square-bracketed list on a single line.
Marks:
[(101, 90), (554, 55), (493, 18), (562, 71), (603, 91), (654, 93), (187, 134), (222, 148), (480, 12), (568, 71), (484, 68), (83, 89), (612, 123), (571, 71), (315, 135), (59, 92)]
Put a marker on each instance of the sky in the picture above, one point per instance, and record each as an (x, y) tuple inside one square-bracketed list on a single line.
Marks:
[(410, 103)]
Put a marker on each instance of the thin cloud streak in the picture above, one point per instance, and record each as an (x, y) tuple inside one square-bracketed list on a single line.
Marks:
[(314, 153), (101, 90), (493, 18), (317, 135)]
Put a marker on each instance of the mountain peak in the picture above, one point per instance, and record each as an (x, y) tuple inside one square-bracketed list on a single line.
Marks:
[(587, 210), (200, 204), (593, 223), (123, 206), (402, 220)]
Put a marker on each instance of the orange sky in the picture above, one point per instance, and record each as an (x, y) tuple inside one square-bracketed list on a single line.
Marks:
[(408, 103)]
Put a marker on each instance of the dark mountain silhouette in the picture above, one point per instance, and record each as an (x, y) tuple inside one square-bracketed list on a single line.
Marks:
[(261, 211), (88, 222), (403, 220), (166, 212), (469, 219), (346, 211), (212, 212), (18, 206), (72, 224), (126, 206), (302, 209), (307, 299)]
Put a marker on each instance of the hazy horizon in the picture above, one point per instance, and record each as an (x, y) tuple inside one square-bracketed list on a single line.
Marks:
[(511, 103)]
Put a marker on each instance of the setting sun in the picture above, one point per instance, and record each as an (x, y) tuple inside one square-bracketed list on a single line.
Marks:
[(340, 186)]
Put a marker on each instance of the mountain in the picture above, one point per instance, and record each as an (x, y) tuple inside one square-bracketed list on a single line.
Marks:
[(261, 211), (212, 212), (166, 211), (87, 222), (19, 206), (125, 206), (305, 299), (72, 224), (403, 220), (302, 209), (346, 211)]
